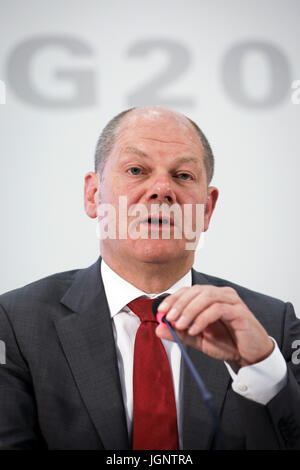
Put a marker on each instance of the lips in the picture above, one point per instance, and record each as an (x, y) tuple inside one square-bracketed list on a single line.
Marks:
[(159, 220)]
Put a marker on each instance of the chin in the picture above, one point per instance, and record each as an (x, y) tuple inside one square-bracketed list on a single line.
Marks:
[(159, 251)]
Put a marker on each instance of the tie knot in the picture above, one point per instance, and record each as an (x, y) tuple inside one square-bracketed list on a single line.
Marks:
[(143, 309)]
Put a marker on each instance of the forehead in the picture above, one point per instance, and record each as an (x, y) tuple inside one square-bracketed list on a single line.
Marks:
[(159, 127)]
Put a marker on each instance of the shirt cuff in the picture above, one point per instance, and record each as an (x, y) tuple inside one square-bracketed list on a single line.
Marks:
[(260, 382)]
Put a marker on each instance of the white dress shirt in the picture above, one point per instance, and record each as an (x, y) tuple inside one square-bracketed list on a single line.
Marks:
[(259, 382)]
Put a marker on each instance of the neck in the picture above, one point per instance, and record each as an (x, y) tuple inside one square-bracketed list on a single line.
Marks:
[(150, 277)]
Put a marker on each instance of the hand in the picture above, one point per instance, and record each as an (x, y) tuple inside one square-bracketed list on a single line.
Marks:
[(216, 321)]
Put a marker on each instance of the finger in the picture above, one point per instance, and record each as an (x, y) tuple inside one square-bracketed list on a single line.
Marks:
[(180, 301), (215, 347), (199, 303), (213, 313), (163, 332), (169, 301)]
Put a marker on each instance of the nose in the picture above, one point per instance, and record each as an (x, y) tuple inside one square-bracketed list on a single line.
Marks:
[(161, 191)]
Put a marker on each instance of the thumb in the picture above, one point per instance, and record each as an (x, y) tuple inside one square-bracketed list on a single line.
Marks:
[(162, 331)]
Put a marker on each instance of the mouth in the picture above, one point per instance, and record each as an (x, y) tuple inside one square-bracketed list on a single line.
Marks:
[(158, 221)]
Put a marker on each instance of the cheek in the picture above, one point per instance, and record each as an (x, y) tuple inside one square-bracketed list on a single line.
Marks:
[(192, 198), (108, 192), (193, 212), (120, 199)]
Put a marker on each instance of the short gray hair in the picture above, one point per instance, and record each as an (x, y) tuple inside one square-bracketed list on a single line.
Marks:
[(107, 138)]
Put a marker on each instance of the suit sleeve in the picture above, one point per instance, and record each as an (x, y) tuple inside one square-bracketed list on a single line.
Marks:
[(18, 414), (276, 425)]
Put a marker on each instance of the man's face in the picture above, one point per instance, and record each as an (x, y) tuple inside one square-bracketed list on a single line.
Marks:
[(157, 159)]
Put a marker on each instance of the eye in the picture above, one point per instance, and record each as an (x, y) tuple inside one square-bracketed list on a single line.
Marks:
[(135, 170), (184, 176)]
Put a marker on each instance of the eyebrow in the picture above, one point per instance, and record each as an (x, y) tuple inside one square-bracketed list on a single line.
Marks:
[(140, 153)]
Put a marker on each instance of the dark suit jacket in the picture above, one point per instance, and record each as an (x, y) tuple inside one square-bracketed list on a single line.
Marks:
[(60, 386)]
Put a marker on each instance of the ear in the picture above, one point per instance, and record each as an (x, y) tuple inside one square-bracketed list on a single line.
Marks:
[(212, 197), (91, 185)]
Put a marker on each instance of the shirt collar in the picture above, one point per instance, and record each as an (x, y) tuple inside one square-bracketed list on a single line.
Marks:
[(120, 292)]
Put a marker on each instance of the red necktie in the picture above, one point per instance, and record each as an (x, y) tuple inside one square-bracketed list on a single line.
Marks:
[(154, 408)]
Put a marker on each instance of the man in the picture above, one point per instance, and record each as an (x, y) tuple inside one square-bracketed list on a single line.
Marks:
[(78, 373)]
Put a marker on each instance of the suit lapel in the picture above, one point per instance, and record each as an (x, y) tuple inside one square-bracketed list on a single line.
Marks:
[(87, 339), (197, 425)]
